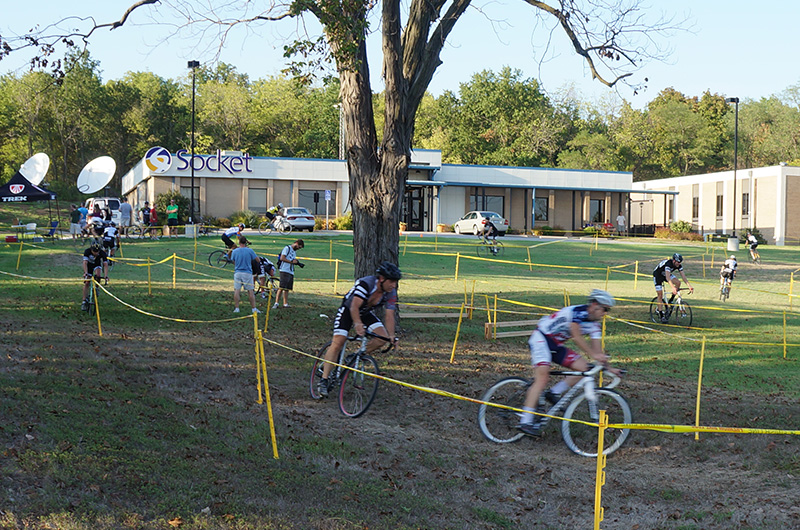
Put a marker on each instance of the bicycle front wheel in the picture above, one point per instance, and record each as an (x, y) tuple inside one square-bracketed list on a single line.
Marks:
[(285, 227), (358, 390), (133, 232), (265, 228), (316, 373), (218, 258), (682, 314), (499, 424), (582, 439), (483, 250)]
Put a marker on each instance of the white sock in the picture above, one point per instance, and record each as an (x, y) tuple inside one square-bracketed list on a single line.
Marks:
[(560, 387), (527, 416)]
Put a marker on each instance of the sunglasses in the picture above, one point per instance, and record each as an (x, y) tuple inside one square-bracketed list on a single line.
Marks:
[(605, 309)]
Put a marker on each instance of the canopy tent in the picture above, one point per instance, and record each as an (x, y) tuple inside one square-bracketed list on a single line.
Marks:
[(20, 189)]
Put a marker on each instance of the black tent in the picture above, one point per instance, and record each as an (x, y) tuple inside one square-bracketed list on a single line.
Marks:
[(20, 189)]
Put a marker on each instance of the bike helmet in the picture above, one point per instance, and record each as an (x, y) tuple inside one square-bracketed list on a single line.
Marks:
[(241, 226), (677, 257), (280, 205), (95, 247), (602, 298), (113, 223), (389, 271), (733, 257)]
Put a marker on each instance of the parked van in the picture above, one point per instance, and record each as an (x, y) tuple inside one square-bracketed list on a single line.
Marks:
[(111, 203)]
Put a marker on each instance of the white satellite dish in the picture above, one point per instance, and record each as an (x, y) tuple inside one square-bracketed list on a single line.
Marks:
[(35, 168), (96, 174)]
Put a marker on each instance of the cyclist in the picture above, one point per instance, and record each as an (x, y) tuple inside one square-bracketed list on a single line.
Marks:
[(261, 267), (728, 271), (111, 240), (95, 263), (229, 233), (665, 272), (547, 346), (274, 212), (753, 242), (490, 230), (357, 308)]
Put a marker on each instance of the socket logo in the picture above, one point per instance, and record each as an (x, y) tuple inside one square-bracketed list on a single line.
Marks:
[(158, 159)]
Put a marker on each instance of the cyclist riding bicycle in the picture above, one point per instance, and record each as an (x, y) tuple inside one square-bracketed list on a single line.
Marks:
[(95, 263), (728, 271), (665, 272), (489, 230), (753, 242), (357, 308), (229, 233), (547, 346), (275, 211), (261, 267), (111, 239)]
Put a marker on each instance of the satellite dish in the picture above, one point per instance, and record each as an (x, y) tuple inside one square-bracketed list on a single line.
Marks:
[(35, 168), (96, 174)]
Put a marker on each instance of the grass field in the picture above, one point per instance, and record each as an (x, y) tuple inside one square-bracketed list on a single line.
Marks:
[(155, 423)]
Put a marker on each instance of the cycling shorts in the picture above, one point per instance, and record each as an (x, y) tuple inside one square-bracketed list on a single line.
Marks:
[(545, 350), (227, 241), (753, 246), (658, 281), (344, 321), (726, 274)]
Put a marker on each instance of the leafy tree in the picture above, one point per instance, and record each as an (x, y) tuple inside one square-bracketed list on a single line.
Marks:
[(609, 36)]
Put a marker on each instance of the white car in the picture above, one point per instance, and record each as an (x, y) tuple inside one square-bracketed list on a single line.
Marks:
[(472, 222), (299, 218)]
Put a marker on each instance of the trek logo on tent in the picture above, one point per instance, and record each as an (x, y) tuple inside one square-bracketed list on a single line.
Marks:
[(157, 159), (18, 198), (16, 188)]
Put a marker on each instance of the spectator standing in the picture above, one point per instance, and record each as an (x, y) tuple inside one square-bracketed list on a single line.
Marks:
[(125, 216), (84, 214), (75, 216), (287, 261), (243, 258), (172, 219), (621, 224), (153, 222)]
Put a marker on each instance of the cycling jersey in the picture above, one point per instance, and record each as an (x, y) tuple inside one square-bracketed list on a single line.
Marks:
[(490, 229), (95, 261), (558, 326), (364, 288), (730, 265), (262, 266), (665, 269), (753, 241), (231, 231)]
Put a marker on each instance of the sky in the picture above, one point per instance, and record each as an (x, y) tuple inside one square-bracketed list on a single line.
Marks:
[(734, 48)]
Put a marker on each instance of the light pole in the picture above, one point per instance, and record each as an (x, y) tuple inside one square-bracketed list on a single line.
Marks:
[(193, 65), (735, 101)]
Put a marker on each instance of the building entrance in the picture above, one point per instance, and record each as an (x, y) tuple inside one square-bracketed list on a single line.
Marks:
[(416, 205)]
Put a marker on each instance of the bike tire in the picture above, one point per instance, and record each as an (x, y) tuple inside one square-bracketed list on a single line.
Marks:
[(682, 314), (498, 424), (357, 391), (265, 228), (500, 250), (133, 232), (580, 438), (654, 317), (483, 250), (218, 258), (757, 260), (316, 373), (285, 228)]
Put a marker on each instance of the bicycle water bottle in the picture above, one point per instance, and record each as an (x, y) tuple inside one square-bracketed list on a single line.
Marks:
[(591, 398)]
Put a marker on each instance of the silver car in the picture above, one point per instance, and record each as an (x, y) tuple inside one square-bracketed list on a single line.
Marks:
[(299, 218), (472, 222)]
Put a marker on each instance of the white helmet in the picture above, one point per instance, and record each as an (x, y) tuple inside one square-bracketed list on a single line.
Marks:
[(733, 257), (602, 298), (280, 205)]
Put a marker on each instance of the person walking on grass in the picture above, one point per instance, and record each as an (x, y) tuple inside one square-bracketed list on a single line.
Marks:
[(287, 261), (243, 258)]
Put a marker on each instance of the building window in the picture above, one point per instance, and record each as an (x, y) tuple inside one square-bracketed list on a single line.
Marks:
[(480, 201), (597, 210), (670, 208), (186, 191), (540, 207), (745, 204), (719, 205), (257, 200), (695, 202), (314, 201)]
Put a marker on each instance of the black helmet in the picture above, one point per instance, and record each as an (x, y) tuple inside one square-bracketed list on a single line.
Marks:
[(95, 247), (389, 271), (677, 257)]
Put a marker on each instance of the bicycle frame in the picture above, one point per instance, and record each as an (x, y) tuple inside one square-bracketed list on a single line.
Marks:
[(585, 385)]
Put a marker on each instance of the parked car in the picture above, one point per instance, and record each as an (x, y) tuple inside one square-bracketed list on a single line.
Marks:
[(112, 203), (472, 222), (299, 218)]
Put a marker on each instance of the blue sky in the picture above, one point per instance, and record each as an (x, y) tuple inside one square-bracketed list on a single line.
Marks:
[(732, 48)]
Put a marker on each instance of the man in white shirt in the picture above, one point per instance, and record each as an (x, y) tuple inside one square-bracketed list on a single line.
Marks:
[(621, 224), (287, 261)]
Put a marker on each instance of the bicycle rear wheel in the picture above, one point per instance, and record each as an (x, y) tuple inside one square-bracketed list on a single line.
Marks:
[(498, 424), (218, 258), (654, 316), (316, 373), (265, 228), (499, 249), (358, 390), (483, 250), (582, 439), (682, 314), (133, 232)]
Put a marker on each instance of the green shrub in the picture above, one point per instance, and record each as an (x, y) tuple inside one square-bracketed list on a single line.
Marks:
[(250, 218), (162, 201), (662, 232), (592, 230), (344, 223), (680, 226), (224, 222), (549, 231)]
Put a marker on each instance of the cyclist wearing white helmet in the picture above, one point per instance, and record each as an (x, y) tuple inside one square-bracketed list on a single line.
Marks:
[(228, 235), (665, 272), (547, 346), (728, 271), (275, 211)]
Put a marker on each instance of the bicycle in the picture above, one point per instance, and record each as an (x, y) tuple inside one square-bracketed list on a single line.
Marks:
[(272, 283), (755, 257), (490, 248), (135, 231), (90, 304), (724, 291), (279, 224), (356, 389), (581, 403), (219, 258), (676, 308)]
